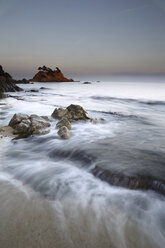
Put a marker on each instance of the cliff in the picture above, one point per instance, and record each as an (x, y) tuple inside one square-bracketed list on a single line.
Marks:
[(46, 74), (7, 83)]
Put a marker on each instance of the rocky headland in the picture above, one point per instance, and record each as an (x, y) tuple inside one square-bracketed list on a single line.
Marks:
[(46, 74), (7, 83)]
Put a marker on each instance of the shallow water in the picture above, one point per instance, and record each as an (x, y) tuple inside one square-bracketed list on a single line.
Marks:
[(85, 211)]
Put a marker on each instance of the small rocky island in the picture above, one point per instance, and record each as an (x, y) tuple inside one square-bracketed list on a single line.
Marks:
[(46, 74)]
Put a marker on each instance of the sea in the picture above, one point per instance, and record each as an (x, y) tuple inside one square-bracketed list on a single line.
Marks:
[(49, 195)]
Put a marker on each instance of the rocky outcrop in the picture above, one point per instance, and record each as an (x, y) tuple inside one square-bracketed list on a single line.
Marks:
[(72, 113), (46, 74), (25, 125), (7, 83)]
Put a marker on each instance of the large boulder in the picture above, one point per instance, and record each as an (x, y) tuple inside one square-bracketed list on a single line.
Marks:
[(72, 113), (77, 113), (26, 125)]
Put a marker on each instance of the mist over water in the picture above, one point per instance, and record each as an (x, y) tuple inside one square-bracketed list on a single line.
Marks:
[(47, 184)]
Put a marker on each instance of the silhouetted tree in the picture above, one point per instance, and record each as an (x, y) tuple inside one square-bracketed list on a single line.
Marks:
[(57, 69)]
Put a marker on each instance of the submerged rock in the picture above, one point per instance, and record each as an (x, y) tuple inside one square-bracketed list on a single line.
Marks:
[(138, 182), (25, 125), (64, 133), (87, 83)]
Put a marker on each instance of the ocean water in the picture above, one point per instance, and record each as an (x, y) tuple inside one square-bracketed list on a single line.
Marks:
[(88, 211)]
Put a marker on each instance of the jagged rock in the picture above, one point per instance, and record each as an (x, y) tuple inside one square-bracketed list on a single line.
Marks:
[(25, 125), (46, 74), (63, 122), (77, 113), (64, 133), (7, 84), (59, 113), (72, 113)]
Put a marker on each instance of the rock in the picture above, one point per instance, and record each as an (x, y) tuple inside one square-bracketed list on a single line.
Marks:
[(139, 182), (16, 119), (33, 90), (87, 83), (59, 113), (43, 88), (38, 123), (95, 120), (7, 83), (45, 118), (64, 133), (48, 75), (63, 122), (23, 81), (25, 125), (72, 113), (77, 113)]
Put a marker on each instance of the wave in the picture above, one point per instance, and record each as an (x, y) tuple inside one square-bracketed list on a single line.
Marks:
[(131, 182), (147, 102)]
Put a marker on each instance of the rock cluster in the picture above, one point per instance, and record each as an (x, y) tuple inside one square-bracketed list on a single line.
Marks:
[(72, 113), (25, 125)]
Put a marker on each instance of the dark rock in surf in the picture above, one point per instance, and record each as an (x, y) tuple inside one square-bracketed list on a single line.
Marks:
[(87, 83), (130, 182)]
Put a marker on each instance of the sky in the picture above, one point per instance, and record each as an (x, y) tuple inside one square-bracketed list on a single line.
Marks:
[(83, 37)]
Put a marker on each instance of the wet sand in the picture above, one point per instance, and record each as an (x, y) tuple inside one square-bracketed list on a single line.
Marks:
[(30, 221), (7, 132)]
